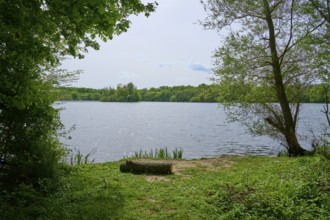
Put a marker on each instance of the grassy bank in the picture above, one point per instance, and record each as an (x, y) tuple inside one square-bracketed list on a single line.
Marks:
[(222, 188)]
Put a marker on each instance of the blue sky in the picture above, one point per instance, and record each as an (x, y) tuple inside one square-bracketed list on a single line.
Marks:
[(169, 48)]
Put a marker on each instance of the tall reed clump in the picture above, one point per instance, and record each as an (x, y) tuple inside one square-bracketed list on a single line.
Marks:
[(177, 153), (77, 158), (162, 153)]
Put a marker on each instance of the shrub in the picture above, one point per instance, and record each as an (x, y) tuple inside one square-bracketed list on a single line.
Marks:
[(324, 151)]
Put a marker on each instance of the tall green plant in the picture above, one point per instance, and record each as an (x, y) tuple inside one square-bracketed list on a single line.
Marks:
[(177, 153), (77, 158), (162, 153)]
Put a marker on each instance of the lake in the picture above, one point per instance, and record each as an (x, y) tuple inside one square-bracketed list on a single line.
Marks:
[(200, 129)]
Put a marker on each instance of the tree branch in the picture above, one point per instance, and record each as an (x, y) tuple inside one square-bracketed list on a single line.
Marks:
[(290, 34), (328, 9), (278, 125), (326, 106), (249, 15), (275, 6), (295, 118), (294, 76), (326, 17), (299, 40), (275, 125)]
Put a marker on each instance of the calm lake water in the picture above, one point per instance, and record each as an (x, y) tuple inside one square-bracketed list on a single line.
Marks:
[(200, 129)]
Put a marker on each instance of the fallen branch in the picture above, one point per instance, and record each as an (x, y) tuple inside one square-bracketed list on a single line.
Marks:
[(146, 167)]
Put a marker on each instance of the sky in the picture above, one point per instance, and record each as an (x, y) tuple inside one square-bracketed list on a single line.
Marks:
[(168, 48)]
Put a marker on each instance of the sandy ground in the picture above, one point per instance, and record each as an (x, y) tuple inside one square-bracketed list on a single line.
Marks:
[(181, 165)]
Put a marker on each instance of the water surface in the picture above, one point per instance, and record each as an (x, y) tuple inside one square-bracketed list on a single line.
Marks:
[(200, 129)]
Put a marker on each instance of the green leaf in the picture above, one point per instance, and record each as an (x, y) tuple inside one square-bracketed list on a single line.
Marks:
[(13, 53), (101, 9), (19, 104)]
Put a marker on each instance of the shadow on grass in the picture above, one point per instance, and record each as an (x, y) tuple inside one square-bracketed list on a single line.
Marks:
[(97, 203), (75, 203)]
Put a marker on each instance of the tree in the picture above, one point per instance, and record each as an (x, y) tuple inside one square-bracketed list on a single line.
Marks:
[(35, 35), (320, 10), (265, 57), (133, 93), (123, 93)]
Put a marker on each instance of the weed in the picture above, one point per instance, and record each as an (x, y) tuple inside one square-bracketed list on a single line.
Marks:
[(77, 158)]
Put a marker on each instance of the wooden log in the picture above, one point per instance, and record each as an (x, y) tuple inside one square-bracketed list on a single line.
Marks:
[(146, 167)]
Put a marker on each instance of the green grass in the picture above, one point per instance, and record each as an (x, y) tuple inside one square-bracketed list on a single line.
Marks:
[(232, 188)]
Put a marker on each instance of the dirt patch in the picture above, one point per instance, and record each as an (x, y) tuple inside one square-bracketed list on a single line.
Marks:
[(210, 164), (157, 179)]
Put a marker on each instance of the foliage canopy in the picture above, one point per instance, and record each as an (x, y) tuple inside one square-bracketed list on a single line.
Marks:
[(35, 35), (269, 54)]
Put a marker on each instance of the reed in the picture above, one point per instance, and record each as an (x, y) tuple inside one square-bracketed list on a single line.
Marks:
[(161, 153), (177, 153), (77, 158)]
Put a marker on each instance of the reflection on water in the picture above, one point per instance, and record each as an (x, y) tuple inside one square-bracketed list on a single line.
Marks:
[(116, 129)]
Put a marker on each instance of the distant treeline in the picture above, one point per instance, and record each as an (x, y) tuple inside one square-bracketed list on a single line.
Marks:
[(129, 93)]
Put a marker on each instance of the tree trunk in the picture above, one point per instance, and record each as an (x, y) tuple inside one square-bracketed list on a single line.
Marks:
[(326, 103), (146, 167), (294, 148)]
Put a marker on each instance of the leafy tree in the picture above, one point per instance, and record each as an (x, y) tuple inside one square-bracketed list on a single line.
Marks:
[(173, 98), (133, 93), (123, 93), (35, 35), (320, 10), (265, 57)]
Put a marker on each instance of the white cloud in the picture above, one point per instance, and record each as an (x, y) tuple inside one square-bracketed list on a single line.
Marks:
[(199, 68)]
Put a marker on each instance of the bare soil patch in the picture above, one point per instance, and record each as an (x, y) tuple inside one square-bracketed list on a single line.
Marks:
[(209, 164)]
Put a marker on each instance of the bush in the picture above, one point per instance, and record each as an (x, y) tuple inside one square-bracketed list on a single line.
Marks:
[(29, 145), (195, 99), (23, 202), (324, 151), (300, 191)]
